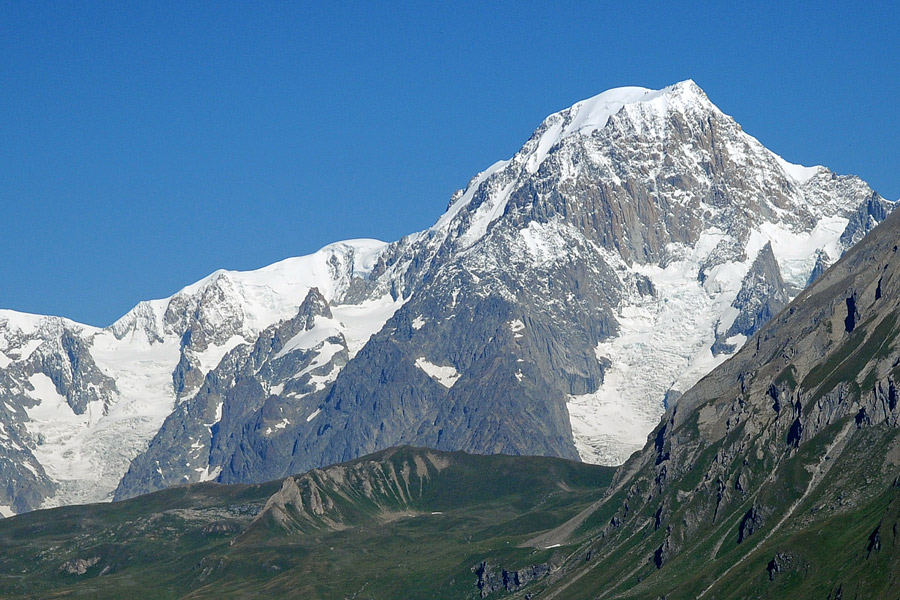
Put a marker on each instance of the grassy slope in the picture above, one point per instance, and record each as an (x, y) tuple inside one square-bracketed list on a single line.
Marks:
[(825, 546), (161, 545)]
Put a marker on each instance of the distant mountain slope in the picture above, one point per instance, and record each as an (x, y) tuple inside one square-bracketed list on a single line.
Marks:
[(566, 295), (79, 403)]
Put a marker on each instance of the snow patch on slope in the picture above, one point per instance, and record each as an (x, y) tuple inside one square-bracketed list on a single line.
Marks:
[(467, 196), (798, 173), (309, 339), (359, 322), (445, 375), (213, 355), (546, 243), (208, 475), (488, 212)]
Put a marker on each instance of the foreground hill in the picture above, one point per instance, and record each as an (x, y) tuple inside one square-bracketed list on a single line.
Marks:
[(403, 523)]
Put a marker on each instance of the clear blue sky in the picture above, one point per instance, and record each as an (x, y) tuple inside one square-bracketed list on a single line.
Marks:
[(145, 144)]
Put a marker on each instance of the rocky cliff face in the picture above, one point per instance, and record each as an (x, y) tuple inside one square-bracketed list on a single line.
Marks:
[(567, 294)]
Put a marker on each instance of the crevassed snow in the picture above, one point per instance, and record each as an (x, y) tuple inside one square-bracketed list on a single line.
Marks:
[(658, 346), (77, 449), (655, 346), (795, 252), (447, 376), (359, 322), (664, 343), (63, 447)]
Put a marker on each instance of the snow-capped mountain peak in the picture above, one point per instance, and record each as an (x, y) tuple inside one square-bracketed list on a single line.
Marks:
[(636, 240), (587, 116)]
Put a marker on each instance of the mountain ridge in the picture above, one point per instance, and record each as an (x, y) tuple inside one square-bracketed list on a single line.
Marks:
[(535, 283)]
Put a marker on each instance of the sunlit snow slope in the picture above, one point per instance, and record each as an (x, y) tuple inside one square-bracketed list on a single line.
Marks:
[(81, 452)]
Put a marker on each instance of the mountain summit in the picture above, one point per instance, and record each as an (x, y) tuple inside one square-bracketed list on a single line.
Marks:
[(566, 296)]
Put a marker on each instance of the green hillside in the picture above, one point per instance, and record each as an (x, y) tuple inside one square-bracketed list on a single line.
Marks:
[(403, 523)]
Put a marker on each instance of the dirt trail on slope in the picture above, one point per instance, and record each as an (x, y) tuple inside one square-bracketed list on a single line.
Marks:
[(560, 534)]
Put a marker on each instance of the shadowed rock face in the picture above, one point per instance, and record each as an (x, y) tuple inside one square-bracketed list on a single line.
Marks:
[(631, 244)]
